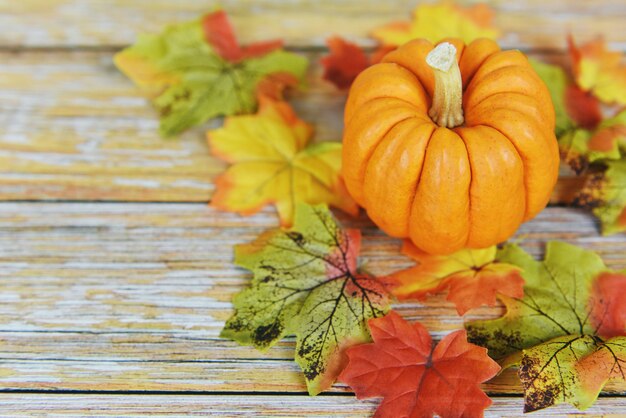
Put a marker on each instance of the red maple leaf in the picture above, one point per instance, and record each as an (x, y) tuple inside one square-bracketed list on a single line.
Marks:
[(219, 33), (416, 379), (345, 61), (582, 107)]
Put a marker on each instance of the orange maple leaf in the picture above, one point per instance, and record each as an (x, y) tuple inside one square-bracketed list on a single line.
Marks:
[(598, 70), (272, 162), (608, 310), (472, 277), (416, 379)]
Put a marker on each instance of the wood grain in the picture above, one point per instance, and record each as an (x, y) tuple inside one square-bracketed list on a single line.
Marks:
[(72, 127), (259, 405), (305, 23), (130, 297), (133, 296)]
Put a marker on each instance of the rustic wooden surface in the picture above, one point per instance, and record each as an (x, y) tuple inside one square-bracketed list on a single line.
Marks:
[(113, 292)]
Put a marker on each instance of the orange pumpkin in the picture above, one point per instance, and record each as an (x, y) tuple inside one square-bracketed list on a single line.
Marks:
[(452, 146)]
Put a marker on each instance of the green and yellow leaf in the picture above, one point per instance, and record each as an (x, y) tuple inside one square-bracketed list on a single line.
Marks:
[(605, 194), (435, 22), (272, 162), (306, 282), (599, 70), (195, 75), (556, 325)]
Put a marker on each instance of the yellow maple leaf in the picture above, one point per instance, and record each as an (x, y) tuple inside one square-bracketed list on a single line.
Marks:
[(438, 21), (272, 162), (599, 70)]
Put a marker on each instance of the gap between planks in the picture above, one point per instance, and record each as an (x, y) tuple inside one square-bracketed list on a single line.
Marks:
[(111, 296), (241, 406), (54, 23), (72, 127)]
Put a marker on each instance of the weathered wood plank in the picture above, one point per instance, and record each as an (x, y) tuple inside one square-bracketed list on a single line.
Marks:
[(528, 24), (243, 406), (73, 128), (132, 296), (121, 297)]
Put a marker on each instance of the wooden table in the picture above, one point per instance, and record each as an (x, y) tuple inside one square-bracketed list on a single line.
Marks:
[(116, 277)]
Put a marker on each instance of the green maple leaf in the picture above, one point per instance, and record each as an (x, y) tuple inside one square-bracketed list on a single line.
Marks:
[(556, 80), (572, 310), (194, 81), (605, 193), (306, 283)]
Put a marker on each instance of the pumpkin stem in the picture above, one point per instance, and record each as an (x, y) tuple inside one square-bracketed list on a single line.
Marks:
[(447, 106)]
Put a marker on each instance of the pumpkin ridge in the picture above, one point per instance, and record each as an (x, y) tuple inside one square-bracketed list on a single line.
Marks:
[(373, 149), (489, 78), (503, 59), (373, 99), (517, 93), (430, 99), (506, 67), (524, 116), (478, 67), (390, 71), (469, 189), (509, 65), (359, 144), (470, 195), (411, 137), (522, 159), (419, 176), (501, 141), (445, 240)]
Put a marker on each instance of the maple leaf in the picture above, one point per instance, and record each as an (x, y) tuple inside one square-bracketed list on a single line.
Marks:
[(435, 22), (580, 147), (197, 71), (557, 82), (599, 70), (605, 194), (584, 137), (345, 61), (273, 162), (609, 304), (416, 379), (219, 33), (558, 324), (472, 277), (306, 282), (589, 143), (598, 77), (595, 370)]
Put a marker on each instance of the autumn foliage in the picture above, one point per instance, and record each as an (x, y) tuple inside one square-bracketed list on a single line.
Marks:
[(416, 378), (565, 322)]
